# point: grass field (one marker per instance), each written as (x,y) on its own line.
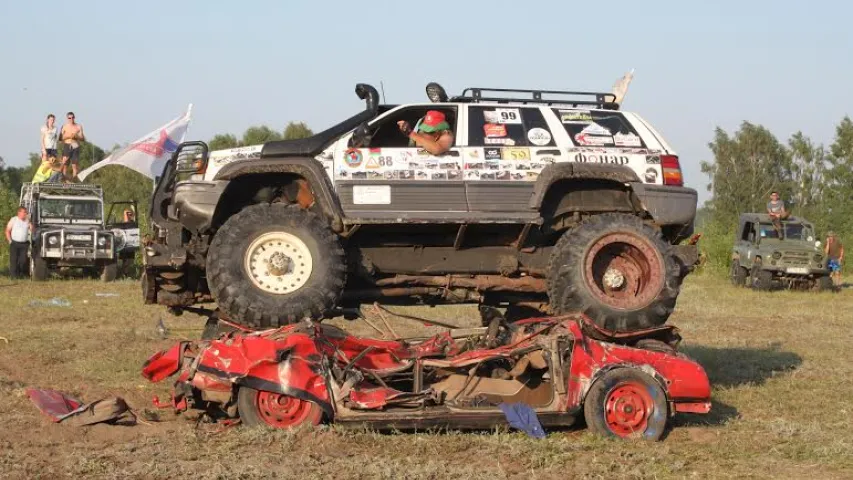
(781,366)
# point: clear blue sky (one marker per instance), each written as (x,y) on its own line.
(127,67)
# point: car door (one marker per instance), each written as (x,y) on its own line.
(506,148)
(394,179)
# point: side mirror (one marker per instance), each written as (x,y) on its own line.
(361,136)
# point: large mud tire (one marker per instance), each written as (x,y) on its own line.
(273,265)
(824,284)
(617,270)
(258,408)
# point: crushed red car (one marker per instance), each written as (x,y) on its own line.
(313,372)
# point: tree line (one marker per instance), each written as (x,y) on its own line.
(815,181)
(121,183)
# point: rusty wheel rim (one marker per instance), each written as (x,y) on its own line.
(627,409)
(624,270)
(282,411)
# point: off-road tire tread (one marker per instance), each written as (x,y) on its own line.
(567,290)
(241,301)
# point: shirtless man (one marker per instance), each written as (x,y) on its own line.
(433,133)
(71,135)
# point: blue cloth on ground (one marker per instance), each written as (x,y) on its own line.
(522,417)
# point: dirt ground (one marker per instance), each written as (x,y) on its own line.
(780,364)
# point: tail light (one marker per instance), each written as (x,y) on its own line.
(671,170)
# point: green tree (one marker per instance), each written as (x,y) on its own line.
(257,135)
(223,141)
(296,130)
(746,168)
(838,189)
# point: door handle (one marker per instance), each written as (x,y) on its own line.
(548,152)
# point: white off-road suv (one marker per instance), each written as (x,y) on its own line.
(551,200)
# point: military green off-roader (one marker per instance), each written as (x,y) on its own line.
(761,258)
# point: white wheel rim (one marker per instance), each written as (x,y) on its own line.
(278,263)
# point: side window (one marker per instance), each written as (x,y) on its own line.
(497,125)
(599,128)
(386,133)
(748,232)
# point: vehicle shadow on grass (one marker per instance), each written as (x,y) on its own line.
(734,366)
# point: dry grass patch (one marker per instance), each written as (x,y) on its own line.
(779,362)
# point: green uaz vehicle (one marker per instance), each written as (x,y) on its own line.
(764,256)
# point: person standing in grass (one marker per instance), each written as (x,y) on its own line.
(834,251)
(17,234)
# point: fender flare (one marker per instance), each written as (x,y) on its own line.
(308,168)
(554,173)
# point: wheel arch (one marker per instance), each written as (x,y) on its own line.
(300,180)
(645,368)
(569,188)
(260,384)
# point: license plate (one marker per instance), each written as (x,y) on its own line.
(800,270)
(79,237)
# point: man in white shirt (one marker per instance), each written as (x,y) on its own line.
(17,234)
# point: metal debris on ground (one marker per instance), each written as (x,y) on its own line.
(161,329)
(4,339)
(107,295)
(62,408)
(53,302)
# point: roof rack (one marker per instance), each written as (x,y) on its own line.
(30,190)
(606,101)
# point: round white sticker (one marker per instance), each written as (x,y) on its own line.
(539,136)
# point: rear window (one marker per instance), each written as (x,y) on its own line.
(599,128)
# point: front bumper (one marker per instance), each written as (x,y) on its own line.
(783,270)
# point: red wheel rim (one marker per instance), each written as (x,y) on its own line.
(627,409)
(282,411)
(624,270)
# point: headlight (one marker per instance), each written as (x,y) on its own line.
(52,240)
(102,241)
(818,257)
(777,255)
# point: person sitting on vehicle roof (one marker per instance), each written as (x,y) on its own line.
(776,210)
(433,133)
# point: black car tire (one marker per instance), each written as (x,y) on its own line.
(109,271)
(239,291)
(38,268)
(605,405)
(738,274)
(260,409)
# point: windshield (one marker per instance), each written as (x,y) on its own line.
(793,231)
(72,209)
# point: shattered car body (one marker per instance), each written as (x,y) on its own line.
(307,372)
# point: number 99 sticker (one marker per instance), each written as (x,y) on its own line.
(503,115)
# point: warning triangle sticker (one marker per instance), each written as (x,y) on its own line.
(372,163)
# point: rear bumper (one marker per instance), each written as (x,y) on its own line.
(668,205)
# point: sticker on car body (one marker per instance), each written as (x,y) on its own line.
(539,136)
(371,194)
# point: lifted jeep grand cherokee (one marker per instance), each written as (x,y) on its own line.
(563,204)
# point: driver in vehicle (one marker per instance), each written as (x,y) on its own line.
(433,133)
(127,217)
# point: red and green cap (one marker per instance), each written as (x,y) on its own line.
(433,121)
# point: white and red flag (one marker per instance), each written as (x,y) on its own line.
(149,154)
